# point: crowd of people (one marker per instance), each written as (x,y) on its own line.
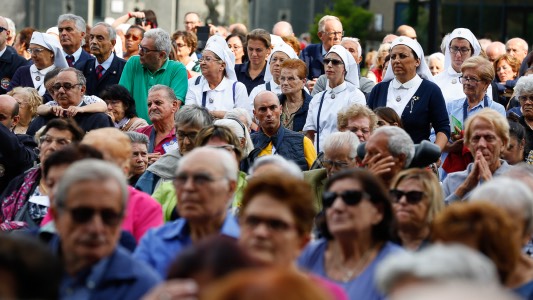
(141,164)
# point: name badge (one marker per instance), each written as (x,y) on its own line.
(41,200)
(172,145)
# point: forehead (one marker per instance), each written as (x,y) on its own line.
(201,162)
(480,126)
(66,76)
(334,25)
(359,121)
(134,31)
(378,142)
(156,95)
(147,41)
(6,107)
(401,49)
(3,22)
(138,147)
(280,54)
(235,40)
(411,184)
(68,23)
(265,205)
(266,99)
(346,184)
(192,18)
(95,193)
(460,43)
(335,152)
(333,55)
(100,30)
(286,71)
(255,43)
(54,132)
(208,53)
(349,44)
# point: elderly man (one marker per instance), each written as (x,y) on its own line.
(495,50)
(517,47)
(388,151)
(143,212)
(72,37)
(486,136)
(276,139)
(330,32)
(69,89)
(162,106)
(191,21)
(205,181)
(90,204)
(10,61)
(282,28)
(152,67)
(106,68)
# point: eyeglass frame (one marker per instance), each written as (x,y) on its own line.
(469,80)
(198,179)
(50,139)
(327,202)
(454,50)
(527,97)
(145,50)
(36,50)
(334,33)
(58,85)
(108,216)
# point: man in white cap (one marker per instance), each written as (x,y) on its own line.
(10,61)
(152,67)
(71,30)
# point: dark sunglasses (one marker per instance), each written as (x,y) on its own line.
(82,215)
(133,37)
(272,224)
(412,197)
(2,29)
(335,62)
(350,197)
(66,86)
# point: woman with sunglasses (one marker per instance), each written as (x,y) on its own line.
(408,88)
(342,90)
(133,38)
(357,217)
(416,199)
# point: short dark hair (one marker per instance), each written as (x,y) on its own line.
(70,154)
(118,92)
(65,124)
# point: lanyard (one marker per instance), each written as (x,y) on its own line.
(318,121)
(465,107)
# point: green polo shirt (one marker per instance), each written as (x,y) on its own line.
(138,80)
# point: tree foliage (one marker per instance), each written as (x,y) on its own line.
(356,21)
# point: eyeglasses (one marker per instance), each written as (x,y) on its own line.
(412,197)
(334,33)
(66,86)
(190,135)
(272,224)
(198,179)
(469,79)
(133,37)
(335,62)
(35,51)
(47,139)
(82,215)
(334,164)
(146,50)
(463,51)
(350,197)
(525,98)
(2,29)
(207,59)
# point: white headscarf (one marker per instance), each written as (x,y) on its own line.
(51,43)
(466,34)
(352,69)
(218,45)
(279,47)
(276,40)
(240,131)
(422,70)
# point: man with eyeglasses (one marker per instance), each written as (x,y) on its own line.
(152,67)
(69,89)
(89,207)
(205,181)
(72,31)
(105,68)
(10,61)
(330,32)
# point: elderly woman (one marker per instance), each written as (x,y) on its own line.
(436,63)
(139,157)
(358,119)
(47,54)
(478,74)
(236,43)
(28,99)
(376,71)
(460,45)
(252,72)
(341,68)
(387,117)
(417,198)
(279,54)
(517,200)
(185,43)
(408,88)
(524,93)
(133,38)
(507,68)
(358,216)
(242,133)
(121,108)
(294,98)
(217,89)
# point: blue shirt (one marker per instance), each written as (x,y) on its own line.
(362,287)
(80,286)
(455,108)
(160,246)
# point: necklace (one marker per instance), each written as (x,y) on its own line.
(348,273)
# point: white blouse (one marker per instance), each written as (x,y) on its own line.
(219,98)
(398,94)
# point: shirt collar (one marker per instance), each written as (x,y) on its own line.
(34,69)
(107,63)
(341,87)
(220,87)
(77,54)
(163,67)
(324,52)
(180,228)
(407,85)
(3,51)
(451,72)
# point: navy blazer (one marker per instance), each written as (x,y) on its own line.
(83,60)
(111,75)
(22,78)
(10,61)
(312,56)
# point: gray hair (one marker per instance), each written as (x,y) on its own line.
(79,74)
(357,44)
(287,166)
(239,130)
(161,87)
(90,170)
(79,21)
(227,161)
(438,262)
(11,26)
(161,39)
(524,85)
(339,140)
(193,115)
(238,113)
(137,137)
(110,30)
(322,22)
(515,196)
(399,142)
(520,41)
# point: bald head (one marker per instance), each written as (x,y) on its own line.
(282,28)
(266,95)
(219,160)
(114,145)
(517,47)
(406,30)
(495,50)
(238,28)
(389,38)
(9,110)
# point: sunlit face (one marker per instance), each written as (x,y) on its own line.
(100,44)
(360,126)
(516,49)
(42,57)
(379,144)
(331,35)
(211,65)
(69,36)
(335,70)
(257,52)
(68,97)
(472,89)
(236,46)
(182,49)
(436,66)
(139,159)
(160,107)
(338,159)
(55,140)
(151,58)
(133,39)
(191,22)
(275,64)
(186,136)
(463,51)
(351,46)
(407,214)
(290,82)
(55,173)
(505,71)
(403,63)
(117,109)
(485,140)
(267,111)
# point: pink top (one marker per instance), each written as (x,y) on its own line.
(334,290)
(166,144)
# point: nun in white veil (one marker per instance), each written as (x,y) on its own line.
(217,89)
(408,88)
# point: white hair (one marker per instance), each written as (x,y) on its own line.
(238,128)
(438,56)
(287,166)
(524,86)
(322,22)
(357,44)
(239,113)
(339,140)
(399,142)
